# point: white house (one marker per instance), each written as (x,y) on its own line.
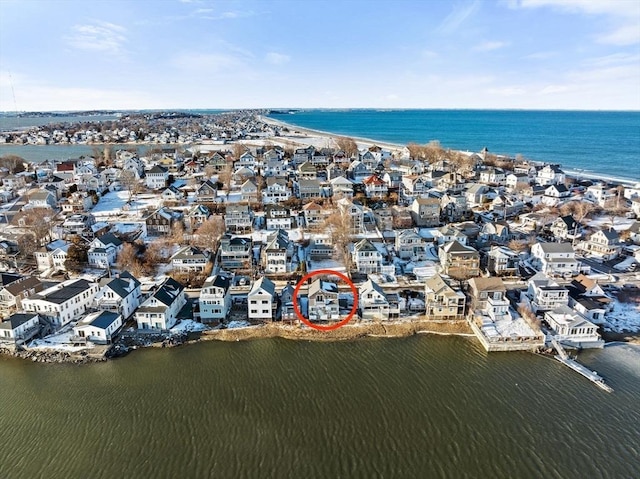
(410,245)
(275,191)
(572,329)
(555,259)
(215,299)
(160,310)
(544,294)
(189,259)
(63,302)
(119,295)
(365,257)
(262,299)
(19,328)
(278,217)
(104,250)
(157,177)
(374,303)
(550,175)
(275,253)
(323,301)
(98,327)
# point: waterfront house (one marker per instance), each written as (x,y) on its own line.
(262,299)
(12,293)
(190,259)
(62,303)
(565,228)
(488,296)
(98,327)
(157,178)
(104,250)
(119,295)
(602,195)
(278,217)
(215,299)
(572,329)
(365,257)
(323,301)
(443,301)
(238,218)
(459,261)
(544,294)
(555,259)
(555,194)
(160,310)
(375,304)
(236,252)
(18,328)
(550,175)
(517,181)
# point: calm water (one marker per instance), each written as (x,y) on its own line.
(605,143)
(416,407)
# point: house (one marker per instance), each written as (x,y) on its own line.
(393,178)
(308,189)
(52,256)
(104,250)
(355,213)
(276,190)
(415,186)
(635,206)
(215,299)
(306,171)
(12,294)
(99,327)
(555,259)
(246,160)
(589,299)
(341,187)
(276,252)
(375,304)
(320,249)
(238,218)
(172,194)
(442,301)
(62,303)
(262,299)
(18,329)
(374,187)
(365,257)
(79,224)
(493,176)
(410,245)
(459,261)
(572,329)
(489,297)
(634,232)
(235,252)
(550,175)
(249,191)
(190,259)
(426,212)
(217,162)
(162,222)
(287,313)
(119,295)
(157,177)
(197,215)
(273,165)
(42,199)
(278,217)
(555,194)
(206,192)
(447,233)
(323,301)
(565,228)
(315,215)
(604,244)
(506,206)
(495,232)
(517,181)
(603,196)
(502,261)
(544,294)
(77,202)
(358,171)
(475,194)
(453,206)
(160,310)
(243,174)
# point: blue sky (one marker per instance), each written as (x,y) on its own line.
(560,54)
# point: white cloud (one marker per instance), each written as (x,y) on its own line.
(623,14)
(277,58)
(489,46)
(457,17)
(99,36)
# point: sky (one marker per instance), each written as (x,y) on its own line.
(143,54)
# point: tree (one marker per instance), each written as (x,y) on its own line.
(39,221)
(209,233)
(348,145)
(130,183)
(517,245)
(128,260)
(14,163)
(177,233)
(238,150)
(338,226)
(27,244)
(77,255)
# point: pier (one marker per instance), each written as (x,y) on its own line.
(592,376)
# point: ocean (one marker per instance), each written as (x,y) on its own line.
(595,143)
(418,407)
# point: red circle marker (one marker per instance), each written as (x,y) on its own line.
(331,327)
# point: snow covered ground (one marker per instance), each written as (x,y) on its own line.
(624,317)
(188,325)
(620,224)
(114,203)
(60,341)
(238,324)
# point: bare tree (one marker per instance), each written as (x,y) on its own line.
(517,245)
(238,150)
(39,221)
(27,245)
(130,183)
(14,163)
(348,145)
(338,226)
(209,233)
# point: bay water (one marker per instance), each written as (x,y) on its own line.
(418,407)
